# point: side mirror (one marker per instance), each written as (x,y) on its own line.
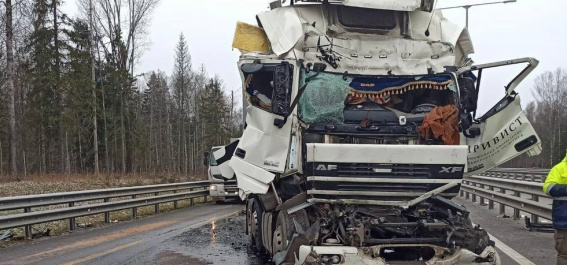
(206,158)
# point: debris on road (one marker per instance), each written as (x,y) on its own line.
(84,225)
(7,235)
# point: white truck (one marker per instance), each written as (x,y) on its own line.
(362,122)
(220,188)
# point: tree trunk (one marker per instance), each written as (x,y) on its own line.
(57,88)
(1,159)
(10,88)
(93,76)
(123,133)
(105,128)
(67,158)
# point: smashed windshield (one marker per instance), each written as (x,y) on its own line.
(324,98)
(328,94)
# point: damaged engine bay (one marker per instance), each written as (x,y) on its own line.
(411,234)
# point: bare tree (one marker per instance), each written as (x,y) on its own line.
(122,30)
(95,125)
(10,87)
(550,91)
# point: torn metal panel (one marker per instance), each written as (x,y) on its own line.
(398,5)
(370,193)
(283,28)
(503,136)
(440,29)
(250,178)
(295,201)
(287,26)
(532,64)
(370,255)
(403,204)
(261,133)
(380,55)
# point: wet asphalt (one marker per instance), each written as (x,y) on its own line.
(204,234)
(215,234)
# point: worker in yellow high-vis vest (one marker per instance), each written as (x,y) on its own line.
(556,187)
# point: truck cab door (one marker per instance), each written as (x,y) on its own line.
(265,143)
(504,131)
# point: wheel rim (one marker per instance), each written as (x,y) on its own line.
(250,232)
(255,224)
(278,244)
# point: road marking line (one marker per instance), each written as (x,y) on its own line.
(511,252)
(102,253)
(131,244)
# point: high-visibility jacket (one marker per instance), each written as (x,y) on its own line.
(556,187)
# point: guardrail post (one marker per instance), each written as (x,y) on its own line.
(134,210)
(156,206)
(191,201)
(175,203)
(72,219)
(502,206)
(28,228)
(473,194)
(481,198)
(107,214)
(535,218)
(516,211)
(491,202)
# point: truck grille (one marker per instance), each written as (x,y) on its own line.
(378,182)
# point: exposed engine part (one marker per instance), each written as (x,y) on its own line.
(437,221)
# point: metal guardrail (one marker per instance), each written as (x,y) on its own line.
(534,175)
(177,192)
(494,185)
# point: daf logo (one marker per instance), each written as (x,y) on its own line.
(326,168)
(451,169)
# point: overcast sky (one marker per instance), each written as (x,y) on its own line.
(527,28)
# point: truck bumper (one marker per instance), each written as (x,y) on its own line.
(220,190)
(370,255)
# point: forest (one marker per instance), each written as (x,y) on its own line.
(72,103)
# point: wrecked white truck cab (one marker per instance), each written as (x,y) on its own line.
(361,123)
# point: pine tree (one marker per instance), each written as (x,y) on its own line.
(181,90)
(45,94)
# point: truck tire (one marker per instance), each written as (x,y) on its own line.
(254,216)
(285,228)
(282,232)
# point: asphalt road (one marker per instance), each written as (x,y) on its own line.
(515,244)
(187,236)
(214,234)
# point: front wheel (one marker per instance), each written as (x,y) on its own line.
(254,221)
